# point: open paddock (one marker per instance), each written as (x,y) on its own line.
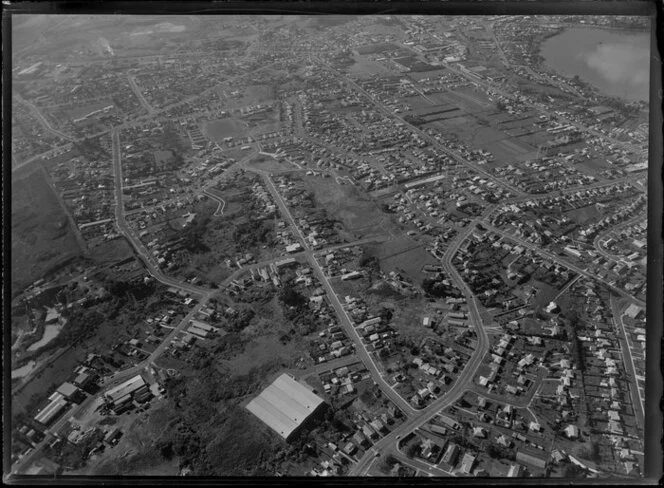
(507,150)
(403,254)
(360,216)
(430,75)
(365,67)
(217,130)
(471,100)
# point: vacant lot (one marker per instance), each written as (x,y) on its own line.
(403,254)
(111,251)
(360,215)
(585,215)
(77,112)
(266,163)
(364,67)
(217,130)
(41,235)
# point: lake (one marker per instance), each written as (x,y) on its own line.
(616,62)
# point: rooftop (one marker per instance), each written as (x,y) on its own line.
(284,405)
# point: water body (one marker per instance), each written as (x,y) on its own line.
(50,332)
(24,370)
(616,62)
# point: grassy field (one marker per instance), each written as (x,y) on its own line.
(217,130)
(403,254)
(46,381)
(360,215)
(76,112)
(266,163)
(584,214)
(477,97)
(364,67)
(41,235)
(265,348)
(111,251)
(407,319)
(592,166)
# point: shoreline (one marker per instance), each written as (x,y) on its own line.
(542,64)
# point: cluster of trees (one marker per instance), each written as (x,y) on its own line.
(499,452)
(369,262)
(413,450)
(290,297)
(229,345)
(296,309)
(241,320)
(578,351)
(91,148)
(135,289)
(193,235)
(255,294)
(435,287)
(207,430)
(250,234)
(414,120)
(388,463)
(73,456)
(180,440)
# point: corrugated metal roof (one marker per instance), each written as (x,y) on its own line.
(67,389)
(50,411)
(284,405)
(125,388)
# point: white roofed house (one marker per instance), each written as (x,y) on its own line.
(571,431)
(479,432)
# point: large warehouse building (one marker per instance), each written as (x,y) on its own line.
(121,395)
(57,404)
(285,406)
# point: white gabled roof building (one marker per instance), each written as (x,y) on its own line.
(285,405)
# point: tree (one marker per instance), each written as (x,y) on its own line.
(388,463)
(368,261)
(291,297)
(413,450)
(572,471)
(493,451)
(385,314)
